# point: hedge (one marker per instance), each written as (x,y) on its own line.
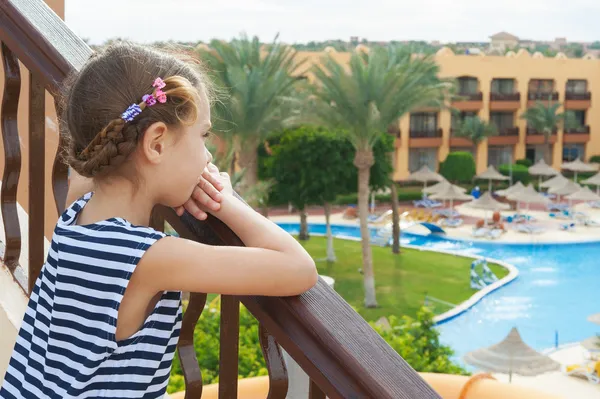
(519,172)
(524,162)
(595,159)
(458,167)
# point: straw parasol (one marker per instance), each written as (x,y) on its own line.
(441,186)
(556,181)
(541,168)
(511,356)
(511,190)
(595,318)
(425,175)
(491,174)
(528,195)
(569,187)
(578,166)
(488,203)
(591,344)
(451,193)
(594,181)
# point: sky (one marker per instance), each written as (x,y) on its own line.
(300,21)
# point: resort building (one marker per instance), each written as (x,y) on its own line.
(500,89)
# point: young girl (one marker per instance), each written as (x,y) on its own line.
(104,316)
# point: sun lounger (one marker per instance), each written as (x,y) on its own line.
(591,223)
(452,222)
(591,371)
(427,203)
(567,226)
(594,204)
(564,215)
(495,234)
(554,207)
(529,229)
(480,232)
(448,213)
(383,236)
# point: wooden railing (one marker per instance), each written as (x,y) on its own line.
(343,356)
(505,96)
(432,133)
(542,96)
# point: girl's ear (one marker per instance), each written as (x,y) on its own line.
(153,143)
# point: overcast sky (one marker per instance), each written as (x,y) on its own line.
(306,20)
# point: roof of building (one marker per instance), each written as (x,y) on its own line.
(503,36)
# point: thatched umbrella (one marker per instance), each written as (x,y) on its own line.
(511,190)
(451,193)
(491,174)
(594,181)
(511,356)
(556,181)
(585,194)
(541,168)
(425,175)
(592,344)
(488,203)
(595,318)
(441,186)
(528,195)
(578,166)
(569,187)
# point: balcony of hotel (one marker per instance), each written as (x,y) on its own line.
(459,141)
(469,97)
(534,136)
(506,136)
(577,95)
(425,138)
(504,96)
(541,90)
(580,134)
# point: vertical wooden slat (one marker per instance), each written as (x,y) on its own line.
(60,179)
(185,348)
(37,112)
(229,347)
(278,378)
(12,157)
(314,392)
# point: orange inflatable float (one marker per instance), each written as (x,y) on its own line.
(479,386)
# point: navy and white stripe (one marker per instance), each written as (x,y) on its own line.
(66,347)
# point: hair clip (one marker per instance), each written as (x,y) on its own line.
(131,112)
(148,100)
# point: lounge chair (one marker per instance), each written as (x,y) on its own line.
(378,219)
(554,207)
(591,223)
(452,222)
(383,236)
(495,234)
(480,232)
(427,203)
(594,204)
(591,371)
(567,226)
(565,214)
(529,229)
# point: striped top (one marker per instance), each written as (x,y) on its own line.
(66,347)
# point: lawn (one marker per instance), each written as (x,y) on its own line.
(401,280)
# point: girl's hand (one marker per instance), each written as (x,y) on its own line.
(207,195)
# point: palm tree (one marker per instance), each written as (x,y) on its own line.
(257,84)
(476,130)
(363,98)
(544,118)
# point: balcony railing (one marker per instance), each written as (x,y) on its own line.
(478,96)
(578,96)
(542,96)
(505,96)
(342,355)
(532,131)
(585,129)
(508,131)
(419,134)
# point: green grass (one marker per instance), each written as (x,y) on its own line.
(401,280)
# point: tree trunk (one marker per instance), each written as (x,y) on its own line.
(247,156)
(395,220)
(303,235)
(330,252)
(363,161)
(547,148)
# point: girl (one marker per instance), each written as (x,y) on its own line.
(103,319)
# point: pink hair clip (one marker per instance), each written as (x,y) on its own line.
(158,83)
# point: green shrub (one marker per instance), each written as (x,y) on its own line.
(519,173)
(595,158)
(417,341)
(458,167)
(524,162)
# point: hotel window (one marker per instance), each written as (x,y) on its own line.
(467,85)
(576,86)
(579,116)
(503,86)
(500,155)
(418,157)
(573,151)
(541,86)
(459,117)
(423,122)
(503,120)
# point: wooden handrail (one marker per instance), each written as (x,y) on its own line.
(343,356)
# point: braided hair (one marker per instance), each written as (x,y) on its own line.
(100,141)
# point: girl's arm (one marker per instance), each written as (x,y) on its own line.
(272,263)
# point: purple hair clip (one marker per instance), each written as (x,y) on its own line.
(148,100)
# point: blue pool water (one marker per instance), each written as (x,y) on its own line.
(557,289)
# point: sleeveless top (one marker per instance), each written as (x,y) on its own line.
(66,347)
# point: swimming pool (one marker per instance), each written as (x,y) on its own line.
(557,289)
